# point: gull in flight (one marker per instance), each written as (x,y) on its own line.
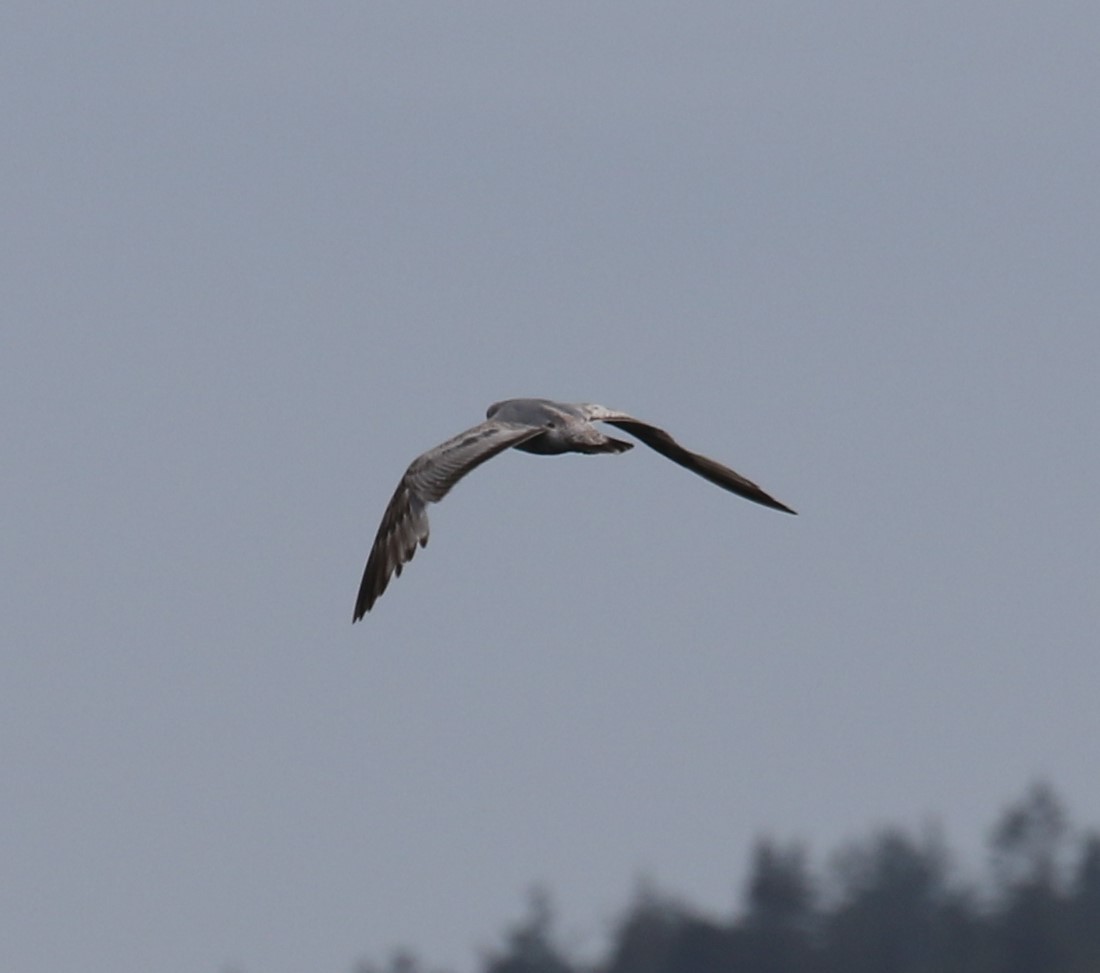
(534,426)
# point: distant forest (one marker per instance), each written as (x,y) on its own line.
(889,904)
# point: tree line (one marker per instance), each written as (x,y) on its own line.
(891,903)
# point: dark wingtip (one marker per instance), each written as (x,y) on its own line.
(363,603)
(766,501)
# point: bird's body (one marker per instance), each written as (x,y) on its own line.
(565,428)
(534,426)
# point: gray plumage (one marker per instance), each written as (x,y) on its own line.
(534,426)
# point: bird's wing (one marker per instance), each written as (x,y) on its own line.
(428,479)
(664,444)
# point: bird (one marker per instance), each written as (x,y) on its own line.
(539,426)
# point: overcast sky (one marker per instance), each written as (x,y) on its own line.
(257,257)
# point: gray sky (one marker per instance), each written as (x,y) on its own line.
(257,258)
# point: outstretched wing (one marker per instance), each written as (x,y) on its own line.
(664,444)
(428,479)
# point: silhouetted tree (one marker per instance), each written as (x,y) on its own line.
(1028,840)
(701,946)
(894,912)
(775,935)
(647,935)
(1027,845)
(888,907)
(530,945)
(779,892)
(1084,909)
